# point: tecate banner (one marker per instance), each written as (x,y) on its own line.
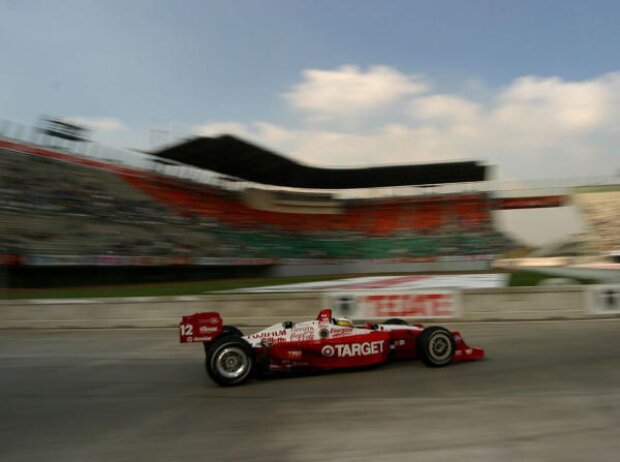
(410,304)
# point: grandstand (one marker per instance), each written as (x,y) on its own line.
(62,208)
(600,206)
(58,208)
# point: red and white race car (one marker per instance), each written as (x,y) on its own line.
(322,344)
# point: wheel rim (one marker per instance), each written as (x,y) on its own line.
(232,362)
(440,347)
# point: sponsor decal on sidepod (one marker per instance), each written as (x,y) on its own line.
(354,349)
(269,334)
(205,329)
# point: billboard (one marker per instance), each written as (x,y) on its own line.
(534,202)
(439,303)
(602,299)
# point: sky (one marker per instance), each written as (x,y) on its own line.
(529,87)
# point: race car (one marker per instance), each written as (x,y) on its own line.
(325,343)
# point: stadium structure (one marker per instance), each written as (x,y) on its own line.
(73,212)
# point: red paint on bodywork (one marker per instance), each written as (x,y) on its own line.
(325,315)
(404,343)
(333,353)
(200,327)
(464,352)
(377,344)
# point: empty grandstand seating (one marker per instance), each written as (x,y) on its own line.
(601,209)
(50,206)
(363,229)
(55,207)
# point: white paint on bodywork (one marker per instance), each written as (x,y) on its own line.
(311,330)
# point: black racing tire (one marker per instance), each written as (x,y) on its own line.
(227,331)
(231,330)
(396,322)
(230,361)
(436,346)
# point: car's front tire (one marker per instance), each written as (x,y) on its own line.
(230,361)
(436,346)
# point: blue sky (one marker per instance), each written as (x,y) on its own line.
(532,87)
(195,61)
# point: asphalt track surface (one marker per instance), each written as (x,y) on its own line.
(549,391)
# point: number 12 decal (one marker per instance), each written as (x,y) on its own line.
(187,329)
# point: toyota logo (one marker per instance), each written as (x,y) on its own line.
(328,351)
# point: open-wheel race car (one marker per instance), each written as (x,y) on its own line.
(325,343)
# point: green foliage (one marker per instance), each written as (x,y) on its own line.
(531,278)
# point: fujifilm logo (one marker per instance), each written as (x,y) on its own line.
(353,349)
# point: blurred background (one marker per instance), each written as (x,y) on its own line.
(76,212)
(160,158)
(112,95)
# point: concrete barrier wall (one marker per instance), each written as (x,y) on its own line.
(247,309)
(519,303)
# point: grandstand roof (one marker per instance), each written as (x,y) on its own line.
(232,156)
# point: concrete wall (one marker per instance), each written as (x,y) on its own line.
(247,309)
(520,303)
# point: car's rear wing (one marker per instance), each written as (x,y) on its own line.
(200,327)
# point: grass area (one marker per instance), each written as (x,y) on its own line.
(531,278)
(521,278)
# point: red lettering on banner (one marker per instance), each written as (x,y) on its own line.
(420,305)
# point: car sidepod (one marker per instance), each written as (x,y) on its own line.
(333,353)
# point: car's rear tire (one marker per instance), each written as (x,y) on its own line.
(230,361)
(227,331)
(396,322)
(436,346)
(232,331)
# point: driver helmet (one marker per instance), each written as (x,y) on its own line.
(344,322)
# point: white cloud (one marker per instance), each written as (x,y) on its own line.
(443,108)
(105,124)
(554,104)
(349,93)
(533,128)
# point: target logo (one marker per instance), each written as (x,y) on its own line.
(328,351)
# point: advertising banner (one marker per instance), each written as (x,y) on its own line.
(406,304)
(215,261)
(110,260)
(602,299)
(57,260)
(10,259)
(514,203)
